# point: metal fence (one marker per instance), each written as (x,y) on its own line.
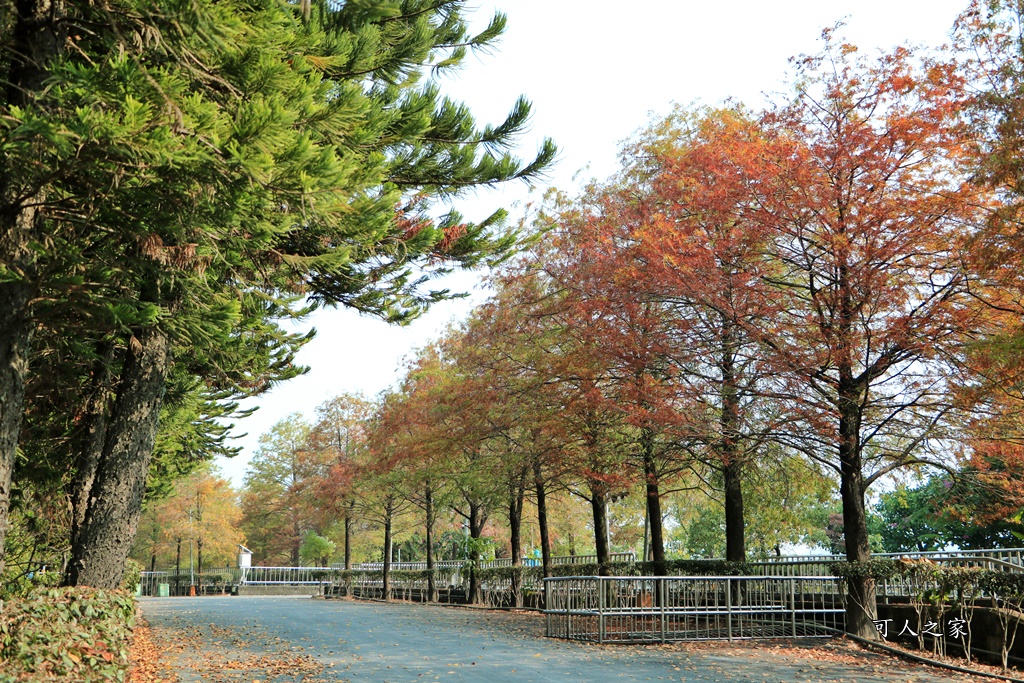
(283,576)
(592,559)
(169,582)
(800,567)
(401,566)
(150,583)
(604,609)
(222,579)
(900,587)
(489,564)
(413,589)
(987,558)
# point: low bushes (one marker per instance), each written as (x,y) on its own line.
(940,580)
(934,591)
(66,634)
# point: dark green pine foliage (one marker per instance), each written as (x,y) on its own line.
(178,173)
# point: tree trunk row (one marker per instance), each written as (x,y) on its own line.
(111,519)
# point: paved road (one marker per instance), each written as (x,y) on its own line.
(282,639)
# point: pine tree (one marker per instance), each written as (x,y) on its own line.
(174,162)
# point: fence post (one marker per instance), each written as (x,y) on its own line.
(600,610)
(567,598)
(547,605)
(728,606)
(662,594)
(792,603)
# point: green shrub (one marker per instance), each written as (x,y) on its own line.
(496,574)
(181,579)
(213,579)
(672,568)
(878,569)
(67,634)
(704,568)
(132,575)
(929,575)
(1002,584)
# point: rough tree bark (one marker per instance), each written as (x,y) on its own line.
(477,520)
(430,514)
(735,542)
(87,459)
(599,506)
(37,37)
(387,553)
(653,495)
(517,496)
(348,535)
(542,517)
(731,458)
(112,518)
(862,607)
(15,340)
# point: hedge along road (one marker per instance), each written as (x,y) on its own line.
(288,639)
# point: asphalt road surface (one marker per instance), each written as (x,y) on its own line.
(293,640)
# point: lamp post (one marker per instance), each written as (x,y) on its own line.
(191,573)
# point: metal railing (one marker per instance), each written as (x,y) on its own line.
(899,587)
(169,582)
(971,558)
(606,609)
(283,576)
(150,582)
(793,568)
(592,559)
(401,566)
(489,564)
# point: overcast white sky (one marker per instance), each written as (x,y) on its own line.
(595,73)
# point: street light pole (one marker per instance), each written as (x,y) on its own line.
(191,574)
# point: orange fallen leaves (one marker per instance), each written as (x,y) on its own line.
(145,658)
(150,659)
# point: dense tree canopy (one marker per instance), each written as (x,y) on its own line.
(173,182)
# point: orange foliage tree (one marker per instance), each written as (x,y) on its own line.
(867,205)
(702,255)
(338,436)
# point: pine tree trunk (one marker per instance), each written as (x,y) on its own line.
(112,518)
(16,330)
(88,457)
(34,38)
(542,517)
